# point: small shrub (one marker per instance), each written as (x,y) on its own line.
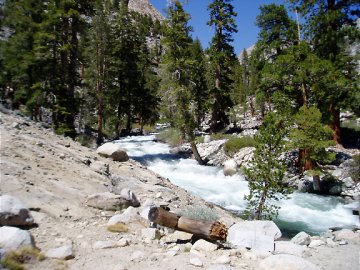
(233,145)
(199,212)
(354,169)
(171,136)
(15,260)
(221,136)
(119,227)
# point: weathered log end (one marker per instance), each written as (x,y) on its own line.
(218,231)
(212,230)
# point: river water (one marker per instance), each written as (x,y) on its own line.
(301,212)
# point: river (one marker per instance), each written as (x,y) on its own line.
(301,212)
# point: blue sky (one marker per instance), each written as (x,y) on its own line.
(247,11)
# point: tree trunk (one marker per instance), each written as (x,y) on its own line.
(212,230)
(335,123)
(304,163)
(196,153)
(316,183)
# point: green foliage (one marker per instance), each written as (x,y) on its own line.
(222,59)
(354,169)
(267,172)
(171,136)
(199,212)
(16,259)
(233,145)
(313,136)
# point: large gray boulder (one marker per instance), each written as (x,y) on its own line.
(258,235)
(286,262)
(13,212)
(113,151)
(110,201)
(12,238)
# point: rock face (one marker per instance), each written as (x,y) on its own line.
(145,7)
(286,262)
(13,212)
(110,201)
(12,238)
(258,235)
(113,151)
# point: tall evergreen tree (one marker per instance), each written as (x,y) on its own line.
(331,27)
(177,70)
(221,54)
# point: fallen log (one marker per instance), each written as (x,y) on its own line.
(212,230)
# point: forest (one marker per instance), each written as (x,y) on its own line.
(95,68)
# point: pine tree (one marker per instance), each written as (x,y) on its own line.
(331,27)
(312,137)
(266,175)
(221,56)
(177,70)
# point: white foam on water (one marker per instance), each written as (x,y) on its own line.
(301,211)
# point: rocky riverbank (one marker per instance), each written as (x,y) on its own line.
(85,211)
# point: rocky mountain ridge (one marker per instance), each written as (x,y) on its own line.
(145,7)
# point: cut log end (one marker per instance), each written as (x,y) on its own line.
(218,231)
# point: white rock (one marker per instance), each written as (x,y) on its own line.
(203,246)
(302,238)
(346,234)
(137,256)
(207,138)
(13,212)
(286,262)
(105,244)
(220,267)
(123,242)
(196,262)
(12,238)
(330,242)
(259,235)
(114,151)
(223,259)
(230,167)
(316,243)
(110,201)
(150,233)
(249,256)
(125,218)
(287,247)
(63,252)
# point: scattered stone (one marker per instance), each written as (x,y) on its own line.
(100,167)
(13,212)
(63,253)
(110,201)
(12,238)
(250,256)
(196,262)
(330,242)
(15,125)
(220,267)
(287,247)
(118,222)
(286,262)
(150,233)
(343,242)
(105,244)
(113,151)
(316,243)
(223,259)
(123,242)
(203,246)
(302,239)
(137,256)
(207,138)
(230,167)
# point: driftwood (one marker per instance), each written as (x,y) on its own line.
(212,230)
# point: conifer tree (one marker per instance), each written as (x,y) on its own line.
(266,175)
(177,68)
(221,54)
